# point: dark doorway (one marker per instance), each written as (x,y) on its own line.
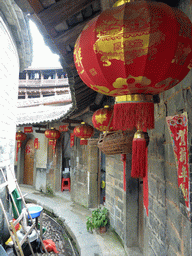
(102,182)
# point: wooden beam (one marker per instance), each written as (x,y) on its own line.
(36,5)
(62,10)
(74,32)
(81,113)
(70,121)
(70,35)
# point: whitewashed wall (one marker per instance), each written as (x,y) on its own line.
(9,73)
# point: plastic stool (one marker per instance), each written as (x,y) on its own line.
(65,184)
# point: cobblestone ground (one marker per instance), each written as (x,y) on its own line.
(57,233)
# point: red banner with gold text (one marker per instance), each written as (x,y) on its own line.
(178,127)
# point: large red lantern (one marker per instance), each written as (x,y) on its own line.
(84,132)
(102,119)
(52,134)
(20,137)
(132,52)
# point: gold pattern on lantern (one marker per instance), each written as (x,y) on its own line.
(106,91)
(93,72)
(126,43)
(101,89)
(77,53)
(101,118)
(190,65)
(134,97)
(114,47)
(181,54)
(167,83)
(131,81)
(121,2)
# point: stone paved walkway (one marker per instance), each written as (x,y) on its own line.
(74,219)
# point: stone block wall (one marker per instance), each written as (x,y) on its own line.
(53,170)
(84,173)
(79,168)
(115,197)
(168,223)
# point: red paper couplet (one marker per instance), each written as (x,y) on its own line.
(178,127)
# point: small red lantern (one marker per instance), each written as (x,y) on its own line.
(52,134)
(102,119)
(132,53)
(20,137)
(84,132)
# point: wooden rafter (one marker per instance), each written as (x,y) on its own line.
(62,10)
(36,5)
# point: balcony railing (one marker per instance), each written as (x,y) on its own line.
(65,98)
(43,82)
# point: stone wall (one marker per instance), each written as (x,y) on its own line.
(168,223)
(79,170)
(115,196)
(54,165)
(84,173)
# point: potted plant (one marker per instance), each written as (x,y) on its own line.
(98,220)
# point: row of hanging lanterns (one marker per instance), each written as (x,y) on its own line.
(52,134)
(131,52)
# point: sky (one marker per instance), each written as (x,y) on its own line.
(42,55)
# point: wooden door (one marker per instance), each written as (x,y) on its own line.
(29,163)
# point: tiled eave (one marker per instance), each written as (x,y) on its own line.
(41,114)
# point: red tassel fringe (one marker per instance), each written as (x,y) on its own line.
(139,148)
(133,115)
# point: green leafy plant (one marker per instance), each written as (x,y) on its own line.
(49,190)
(98,219)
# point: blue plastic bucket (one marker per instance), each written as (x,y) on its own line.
(34,211)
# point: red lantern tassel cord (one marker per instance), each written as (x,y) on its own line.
(133,115)
(139,148)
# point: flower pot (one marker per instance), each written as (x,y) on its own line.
(102,230)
